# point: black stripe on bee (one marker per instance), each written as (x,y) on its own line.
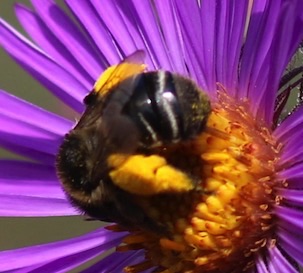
(162,107)
(155,110)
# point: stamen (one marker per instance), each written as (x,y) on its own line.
(138,267)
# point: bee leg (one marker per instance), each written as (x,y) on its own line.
(133,216)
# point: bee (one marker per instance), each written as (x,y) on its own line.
(128,110)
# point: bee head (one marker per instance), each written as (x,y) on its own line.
(72,164)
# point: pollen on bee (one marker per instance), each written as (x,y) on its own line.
(106,81)
(147,175)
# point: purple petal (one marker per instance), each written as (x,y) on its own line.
(172,34)
(230,22)
(41,67)
(292,125)
(271,31)
(191,30)
(293,175)
(41,254)
(30,127)
(290,134)
(30,189)
(260,265)
(208,20)
(292,197)
(131,15)
(292,244)
(89,19)
(116,262)
(19,178)
(33,206)
(70,36)
(270,267)
(140,13)
(289,34)
(260,35)
(279,262)
(66,263)
(213,39)
(26,152)
(292,153)
(38,31)
(122,29)
(290,219)
(32,114)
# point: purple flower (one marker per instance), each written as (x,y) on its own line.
(237,52)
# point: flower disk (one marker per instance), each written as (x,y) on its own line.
(218,226)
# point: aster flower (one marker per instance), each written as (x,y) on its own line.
(248,216)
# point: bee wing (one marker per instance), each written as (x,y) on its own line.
(131,65)
(111,77)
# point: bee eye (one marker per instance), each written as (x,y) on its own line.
(90,98)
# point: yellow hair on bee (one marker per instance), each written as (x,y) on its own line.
(116,74)
(147,175)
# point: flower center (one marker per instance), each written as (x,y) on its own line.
(218,226)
